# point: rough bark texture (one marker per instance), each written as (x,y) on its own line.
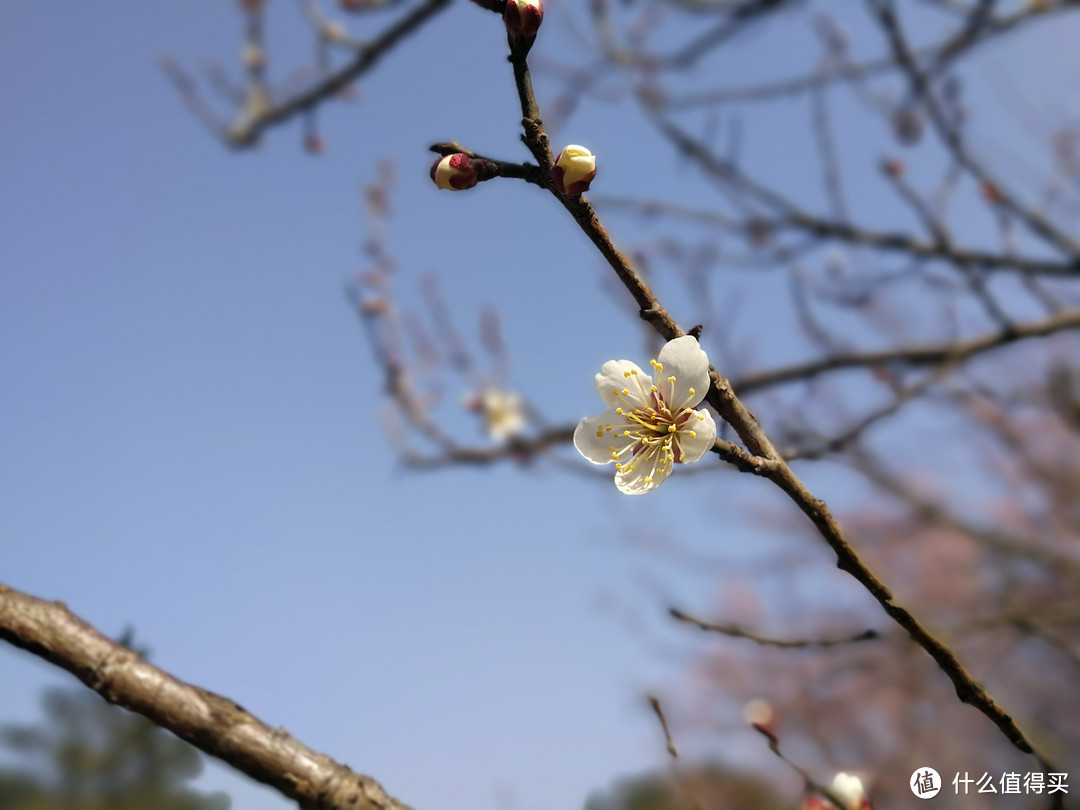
(208,721)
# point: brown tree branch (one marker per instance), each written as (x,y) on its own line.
(791,644)
(950,135)
(793,217)
(735,413)
(949,351)
(208,721)
(939,56)
(245,130)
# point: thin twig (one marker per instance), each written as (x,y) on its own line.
(789,644)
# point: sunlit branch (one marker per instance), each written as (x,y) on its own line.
(210,722)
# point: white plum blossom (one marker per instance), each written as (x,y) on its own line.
(503,412)
(652,424)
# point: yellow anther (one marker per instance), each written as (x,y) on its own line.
(671,379)
(615,392)
(626,373)
(614,456)
(700,417)
(618,411)
(671,428)
(693,434)
(654,388)
(648,479)
(626,392)
(692,392)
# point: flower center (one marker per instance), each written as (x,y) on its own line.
(653,426)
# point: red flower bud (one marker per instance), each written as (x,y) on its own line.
(991,193)
(894,167)
(523,17)
(455,172)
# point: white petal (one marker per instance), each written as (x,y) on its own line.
(577,163)
(504,413)
(632,481)
(595,436)
(704,430)
(613,378)
(687,362)
(848,788)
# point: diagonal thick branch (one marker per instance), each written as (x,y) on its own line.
(208,721)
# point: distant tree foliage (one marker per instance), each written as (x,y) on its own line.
(713,786)
(89,755)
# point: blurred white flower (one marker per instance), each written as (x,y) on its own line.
(849,789)
(652,424)
(758,712)
(503,412)
(335,32)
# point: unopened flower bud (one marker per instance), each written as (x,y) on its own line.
(849,789)
(991,193)
(907,124)
(253,57)
(335,32)
(523,17)
(455,172)
(574,170)
(375,307)
(759,233)
(893,167)
(760,713)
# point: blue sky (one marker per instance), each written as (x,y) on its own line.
(190,440)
